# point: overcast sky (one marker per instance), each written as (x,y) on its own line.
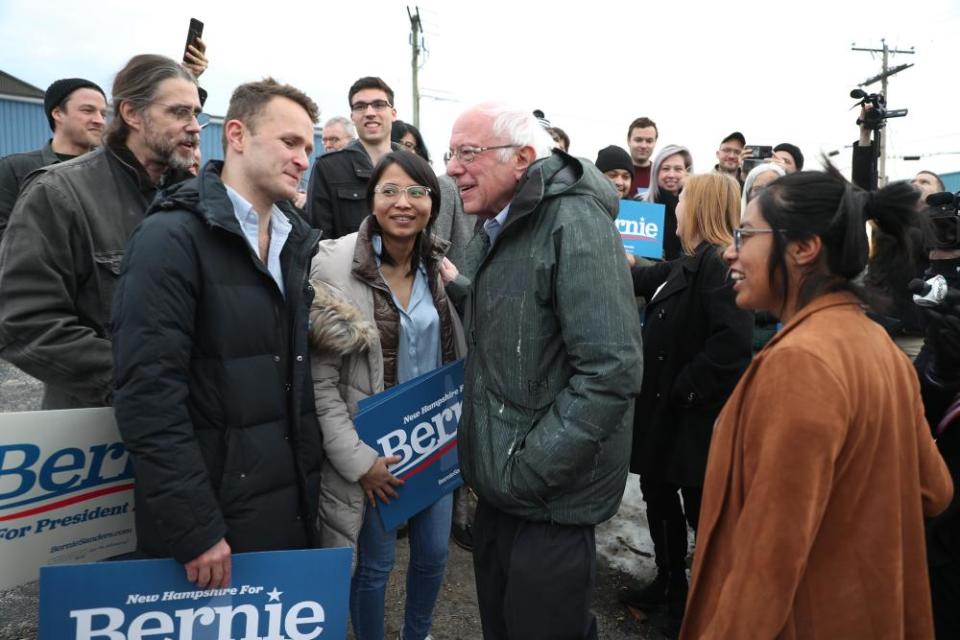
(778,71)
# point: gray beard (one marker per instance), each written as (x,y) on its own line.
(169,154)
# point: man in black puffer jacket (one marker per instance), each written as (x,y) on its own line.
(213,395)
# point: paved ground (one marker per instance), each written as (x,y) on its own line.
(623,553)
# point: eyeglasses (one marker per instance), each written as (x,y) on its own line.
(740,233)
(466,155)
(378,105)
(186,113)
(391,191)
(409,145)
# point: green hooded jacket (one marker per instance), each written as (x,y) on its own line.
(554,359)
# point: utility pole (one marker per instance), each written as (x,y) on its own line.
(885,73)
(416,28)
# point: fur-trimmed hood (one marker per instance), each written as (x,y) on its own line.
(337,325)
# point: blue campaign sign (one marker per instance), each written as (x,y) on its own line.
(277,595)
(641,227)
(418,422)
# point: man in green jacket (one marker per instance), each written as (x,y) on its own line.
(554,362)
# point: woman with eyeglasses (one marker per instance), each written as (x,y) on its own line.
(822,466)
(696,343)
(381,317)
(408,137)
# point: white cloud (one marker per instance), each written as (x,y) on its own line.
(776,71)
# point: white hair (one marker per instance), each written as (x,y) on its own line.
(519,127)
(343,122)
(757,171)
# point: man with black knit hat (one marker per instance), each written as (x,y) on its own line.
(788,156)
(76,110)
(61,254)
(615,163)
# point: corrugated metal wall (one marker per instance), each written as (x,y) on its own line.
(951,181)
(23,127)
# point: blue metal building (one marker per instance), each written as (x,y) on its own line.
(23,125)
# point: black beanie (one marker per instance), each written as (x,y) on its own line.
(614,157)
(794,151)
(60,89)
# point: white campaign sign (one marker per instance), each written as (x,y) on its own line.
(66,491)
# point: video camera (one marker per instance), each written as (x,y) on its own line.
(944,211)
(875,118)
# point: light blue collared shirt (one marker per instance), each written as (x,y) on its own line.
(493,226)
(418,348)
(249,221)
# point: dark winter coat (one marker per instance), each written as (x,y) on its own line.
(58,266)
(554,350)
(672,249)
(214,399)
(337,193)
(14,170)
(696,344)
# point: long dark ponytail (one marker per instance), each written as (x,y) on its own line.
(824,204)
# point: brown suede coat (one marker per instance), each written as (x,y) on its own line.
(821,470)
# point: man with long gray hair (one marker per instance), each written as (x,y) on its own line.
(553,365)
(61,253)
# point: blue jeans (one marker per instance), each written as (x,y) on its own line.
(429,534)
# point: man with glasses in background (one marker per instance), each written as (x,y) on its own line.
(338,132)
(337,193)
(62,249)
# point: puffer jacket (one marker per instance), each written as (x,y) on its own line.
(354,329)
(555,358)
(213,394)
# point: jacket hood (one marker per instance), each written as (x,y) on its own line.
(562,174)
(206,196)
(338,326)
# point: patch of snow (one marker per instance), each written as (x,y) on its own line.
(624,540)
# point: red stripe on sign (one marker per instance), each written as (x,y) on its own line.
(426,463)
(67,502)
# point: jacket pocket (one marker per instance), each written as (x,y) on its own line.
(108,270)
(351,194)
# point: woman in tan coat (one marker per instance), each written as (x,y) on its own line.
(381,317)
(822,465)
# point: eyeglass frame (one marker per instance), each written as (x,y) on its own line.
(178,111)
(378,106)
(740,232)
(403,190)
(458,154)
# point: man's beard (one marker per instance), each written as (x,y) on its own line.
(167,151)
